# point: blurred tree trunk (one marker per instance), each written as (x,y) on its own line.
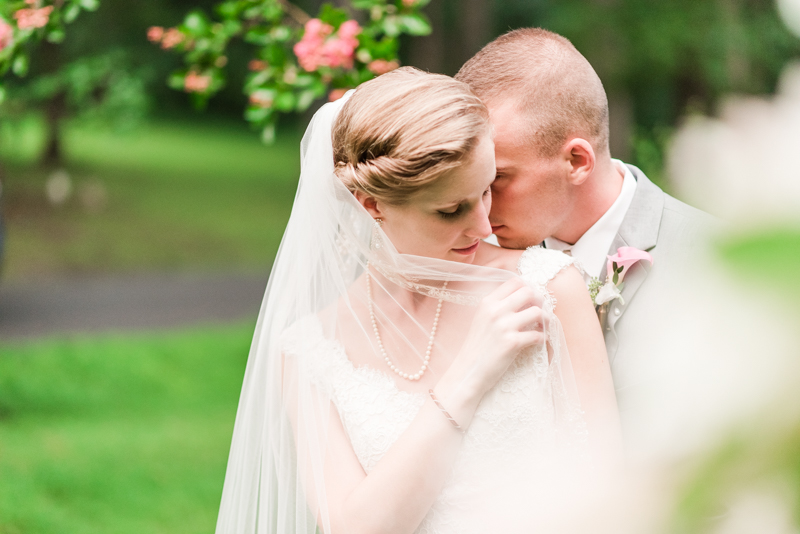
(53,155)
(475,24)
(54,110)
(428,52)
(620,125)
(460,29)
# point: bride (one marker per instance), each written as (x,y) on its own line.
(406,376)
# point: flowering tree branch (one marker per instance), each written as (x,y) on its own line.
(291,66)
(295,12)
(27,22)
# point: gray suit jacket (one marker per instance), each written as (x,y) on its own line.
(674,234)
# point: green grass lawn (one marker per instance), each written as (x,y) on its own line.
(118,433)
(179,195)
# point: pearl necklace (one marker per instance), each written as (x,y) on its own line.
(424,367)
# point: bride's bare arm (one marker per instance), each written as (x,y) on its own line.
(397,494)
(587,352)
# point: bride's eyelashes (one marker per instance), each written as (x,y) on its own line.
(452,214)
(460,208)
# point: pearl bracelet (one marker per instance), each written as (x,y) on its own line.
(441,407)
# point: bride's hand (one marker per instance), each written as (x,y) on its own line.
(508,320)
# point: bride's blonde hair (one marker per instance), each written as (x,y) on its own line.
(401,131)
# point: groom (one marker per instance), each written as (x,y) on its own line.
(558,185)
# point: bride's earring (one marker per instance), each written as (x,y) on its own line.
(376,237)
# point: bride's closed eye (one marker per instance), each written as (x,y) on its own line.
(460,208)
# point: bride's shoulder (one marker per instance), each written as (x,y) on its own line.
(536,264)
(490,255)
(542,263)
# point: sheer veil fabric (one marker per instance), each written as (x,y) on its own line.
(315,305)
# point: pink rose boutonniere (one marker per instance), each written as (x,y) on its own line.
(618,266)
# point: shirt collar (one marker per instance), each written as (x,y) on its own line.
(591,249)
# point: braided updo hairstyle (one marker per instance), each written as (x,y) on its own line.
(401,131)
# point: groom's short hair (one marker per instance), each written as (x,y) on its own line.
(553,85)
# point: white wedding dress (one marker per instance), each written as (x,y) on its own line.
(521,425)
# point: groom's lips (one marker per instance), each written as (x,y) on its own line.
(468,250)
(496,228)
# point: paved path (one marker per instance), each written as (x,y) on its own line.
(142,302)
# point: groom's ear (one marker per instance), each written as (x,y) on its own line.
(370,203)
(580,156)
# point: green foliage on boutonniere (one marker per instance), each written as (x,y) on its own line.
(594,287)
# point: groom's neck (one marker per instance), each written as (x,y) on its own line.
(591,200)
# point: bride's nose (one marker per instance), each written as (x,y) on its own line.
(479,225)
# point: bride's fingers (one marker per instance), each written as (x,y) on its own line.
(507,288)
(527,319)
(531,337)
(523,297)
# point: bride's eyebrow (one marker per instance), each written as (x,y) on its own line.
(455,203)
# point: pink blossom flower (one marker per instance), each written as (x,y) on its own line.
(6,34)
(196,83)
(348,30)
(409,3)
(336,94)
(30,18)
(319,48)
(172,38)
(155,34)
(261,98)
(381,66)
(626,257)
(256,65)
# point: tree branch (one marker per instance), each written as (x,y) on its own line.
(295,12)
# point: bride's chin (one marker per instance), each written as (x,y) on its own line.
(460,258)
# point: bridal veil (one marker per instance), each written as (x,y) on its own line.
(275,477)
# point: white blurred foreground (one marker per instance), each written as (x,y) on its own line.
(741,166)
(716,364)
(719,365)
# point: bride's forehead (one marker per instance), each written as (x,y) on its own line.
(455,186)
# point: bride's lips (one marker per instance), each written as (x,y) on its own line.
(468,250)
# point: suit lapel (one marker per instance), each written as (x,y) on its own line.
(639,229)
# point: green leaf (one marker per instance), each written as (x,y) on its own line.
(229,9)
(196,22)
(391,26)
(257,114)
(71,13)
(2,94)
(304,80)
(281,33)
(89,5)
(614,266)
(268,134)
(20,65)
(305,99)
(56,36)
(415,24)
(176,80)
(366,4)
(285,102)
(332,15)
(616,278)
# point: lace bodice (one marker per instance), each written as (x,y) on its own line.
(523,419)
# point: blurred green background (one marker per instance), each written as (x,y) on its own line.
(130,432)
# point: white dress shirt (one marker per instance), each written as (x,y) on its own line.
(591,250)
